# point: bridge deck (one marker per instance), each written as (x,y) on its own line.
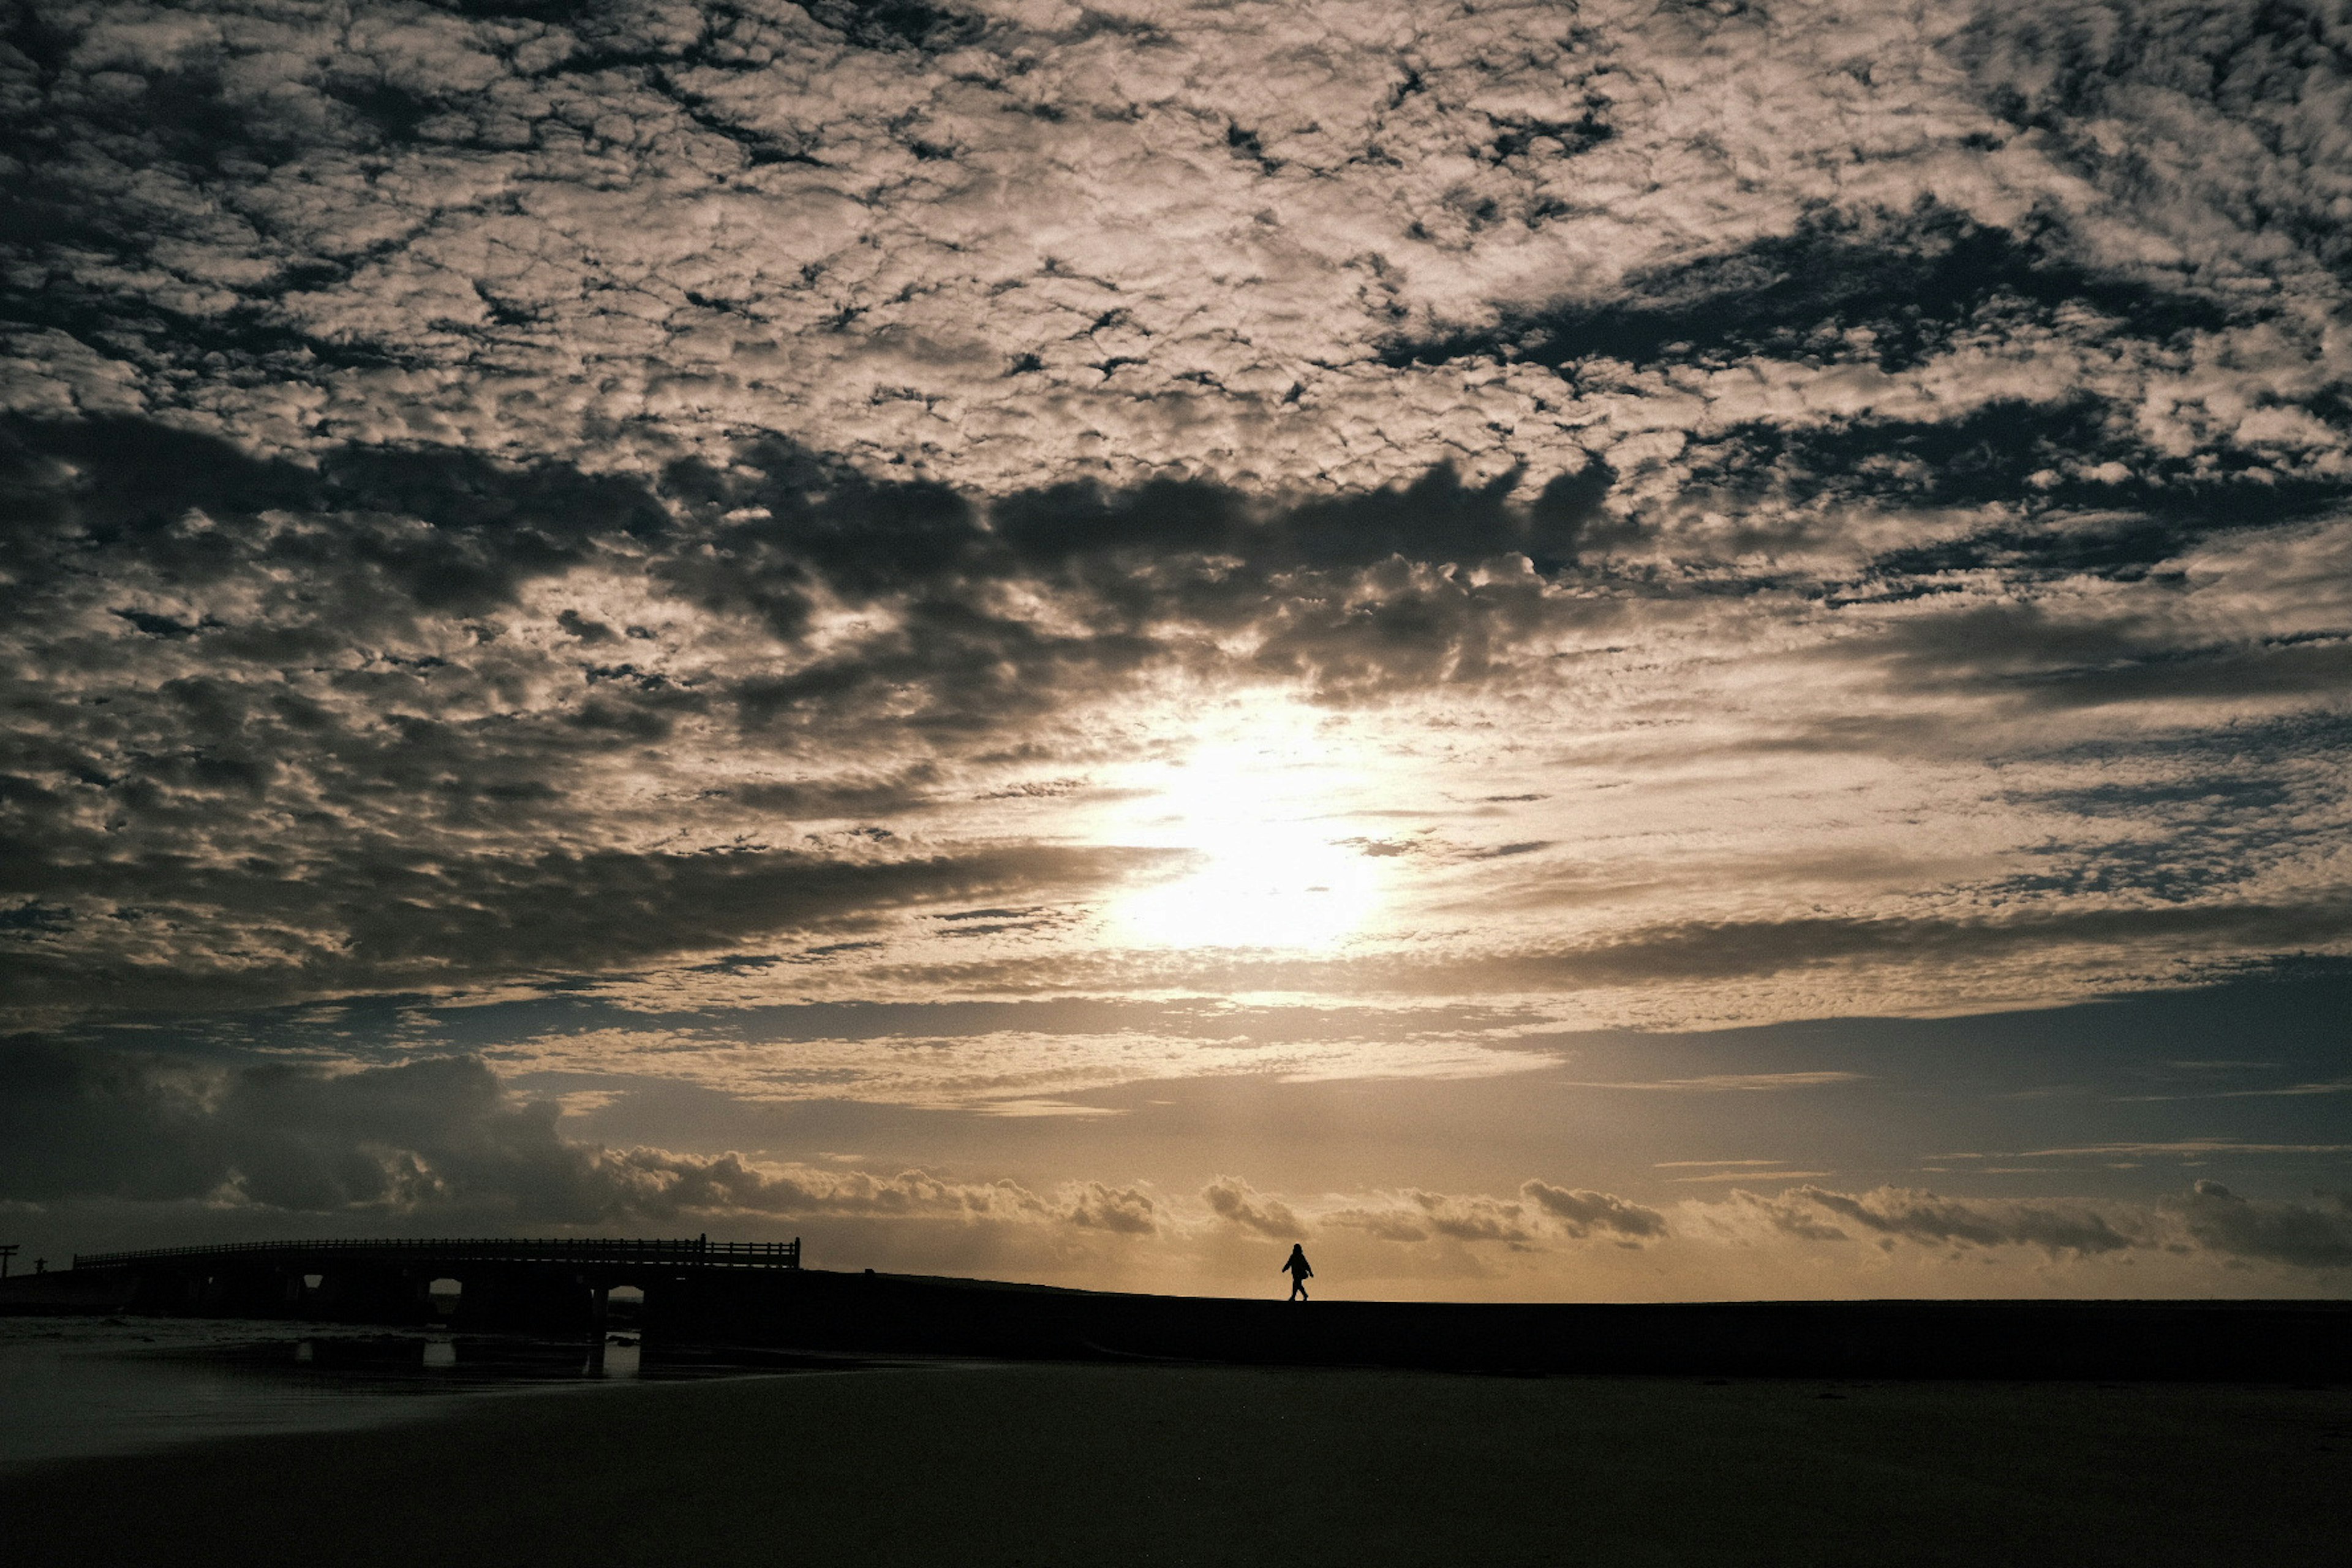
(699,1252)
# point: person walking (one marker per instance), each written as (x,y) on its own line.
(1296,1267)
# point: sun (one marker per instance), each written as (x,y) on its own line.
(1262,812)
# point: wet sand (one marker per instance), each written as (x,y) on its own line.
(1063,1464)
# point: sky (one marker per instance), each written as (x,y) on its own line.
(1605,651)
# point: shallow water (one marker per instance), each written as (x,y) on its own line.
(71,1386)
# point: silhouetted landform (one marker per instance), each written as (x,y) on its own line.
(689,1301)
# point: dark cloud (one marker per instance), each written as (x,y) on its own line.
(899,24)
(368,547)
(374,920)
(2030,657)
(2209,1216)
(1717,950)
(2272,69)
(342,655)
(443,1132)
(2302,1236)
(1893,289)
(371,545)
(1581,1210)
(1925,1217)
(1763,947)
(2121,505)
(430,530)
(422,1143)
(1233,1201)
(1193,548)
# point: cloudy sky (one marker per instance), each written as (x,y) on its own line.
(1584,651)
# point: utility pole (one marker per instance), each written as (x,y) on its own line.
(7,1251)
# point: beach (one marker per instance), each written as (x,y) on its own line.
(1040,1464)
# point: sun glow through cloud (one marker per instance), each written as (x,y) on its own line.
(1262,811)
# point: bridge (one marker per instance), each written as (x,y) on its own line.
(549,1284)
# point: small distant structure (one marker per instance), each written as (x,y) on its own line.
(7,1251)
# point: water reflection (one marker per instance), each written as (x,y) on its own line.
(356,1359)
(73,1386)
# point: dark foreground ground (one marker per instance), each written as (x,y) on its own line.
(952,1465)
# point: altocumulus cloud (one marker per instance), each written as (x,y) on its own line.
(921,230)
(465,463)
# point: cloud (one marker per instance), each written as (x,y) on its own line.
(1826,513)
(1728,949)
(1582,1209)
(1382,1223)
(443,1140)
(658,1184)
(299,681)
(1342,218)
(2209,1217)
(1719,1082)
(1234,1202)
(281,1137)
(396,918)
(439,1136)
(1473,1217)
(445,1136)
(1540,1212)
(2056,1227)
(2187,1148)
(2302,1236)
(1126,1210)
(1912,280)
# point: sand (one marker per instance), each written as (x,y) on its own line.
(1063,1464)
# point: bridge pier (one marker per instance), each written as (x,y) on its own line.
(600,1304)
(562,1285)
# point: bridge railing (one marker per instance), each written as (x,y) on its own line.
(551,1249)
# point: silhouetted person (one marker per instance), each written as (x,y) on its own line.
(1296,1266)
